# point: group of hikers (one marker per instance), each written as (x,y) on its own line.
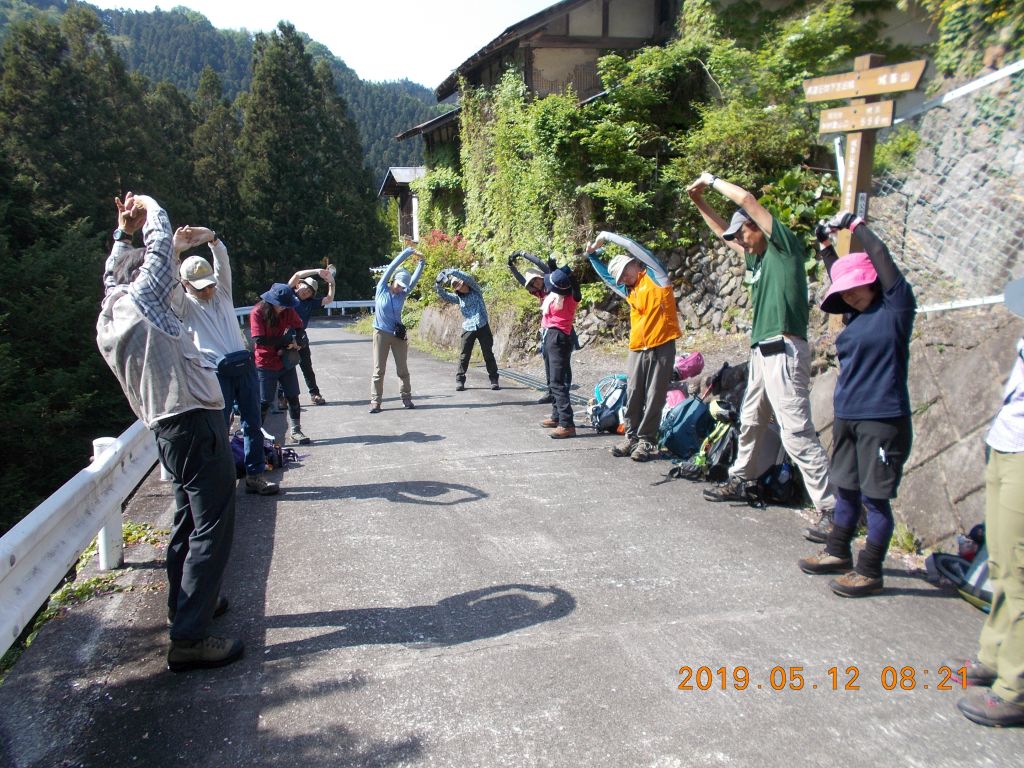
(176,349)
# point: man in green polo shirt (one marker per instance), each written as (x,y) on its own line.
(780,359)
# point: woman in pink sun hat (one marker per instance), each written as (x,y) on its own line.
(872,434)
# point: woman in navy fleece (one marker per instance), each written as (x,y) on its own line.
(872,434)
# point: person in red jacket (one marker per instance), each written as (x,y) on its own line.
(274,324)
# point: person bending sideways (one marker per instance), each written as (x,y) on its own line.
(389,333)
(780,359)
(467,294)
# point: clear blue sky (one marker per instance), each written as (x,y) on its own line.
(421,40)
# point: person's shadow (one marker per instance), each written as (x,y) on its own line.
(429,492)
(462,618)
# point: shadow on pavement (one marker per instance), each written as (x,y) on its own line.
(408,437)
(462,618)
(402,492)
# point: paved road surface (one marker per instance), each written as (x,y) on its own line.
(449,587)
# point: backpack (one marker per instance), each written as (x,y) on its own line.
(684,428)
(970,577)
(779,484)
(273,453)
(718,451)
(609,399)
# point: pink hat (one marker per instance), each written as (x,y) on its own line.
(851,271)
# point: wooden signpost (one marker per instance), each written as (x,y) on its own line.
(860,121)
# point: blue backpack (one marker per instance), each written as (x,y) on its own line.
(684,428)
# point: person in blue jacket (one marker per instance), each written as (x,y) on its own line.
(389,334)
(465,292)
(871,434)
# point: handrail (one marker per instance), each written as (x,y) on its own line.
(242,312)
(41,548)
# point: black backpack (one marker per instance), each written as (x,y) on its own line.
(716,454)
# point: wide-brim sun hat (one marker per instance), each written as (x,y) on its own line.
(1013,295)
(280,295)
(530,275)
(618,265)
(311,283)
(558,282)
(850,271)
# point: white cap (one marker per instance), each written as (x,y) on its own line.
(197,272)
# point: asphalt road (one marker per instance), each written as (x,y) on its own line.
(448,586)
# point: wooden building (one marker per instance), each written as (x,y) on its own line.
(396,184)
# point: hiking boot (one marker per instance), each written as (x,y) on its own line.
(374,406)
(625,448)
(219,610)
(644,451)
(494,385)
(258,484)
(209,652)
(823,562)
(561,433)
(978,675)
(733,489)
(855,584)
(407,401)
(985,708)
(818,533)
(548,398)
(298,436)
(460,386)
(549,423)
(318,399)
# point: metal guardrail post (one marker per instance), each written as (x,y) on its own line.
(110,539)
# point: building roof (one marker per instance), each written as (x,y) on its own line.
(400,176)
(513,33)
(431,124)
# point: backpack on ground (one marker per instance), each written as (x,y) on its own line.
(780,484)
(605,410)
(718,451)
(684,428)
(275,456)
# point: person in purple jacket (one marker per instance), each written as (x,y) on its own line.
(871,434)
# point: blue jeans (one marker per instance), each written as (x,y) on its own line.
(242,390)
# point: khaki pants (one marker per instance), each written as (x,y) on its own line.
(1001,645)
(782,383)
(383,344)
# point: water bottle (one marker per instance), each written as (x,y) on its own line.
(785,474)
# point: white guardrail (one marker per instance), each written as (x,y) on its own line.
(37,552)
(370,304)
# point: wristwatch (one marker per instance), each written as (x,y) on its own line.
(122,236)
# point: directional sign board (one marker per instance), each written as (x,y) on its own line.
(867,82)
(861,117)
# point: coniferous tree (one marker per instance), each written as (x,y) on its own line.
(303,186)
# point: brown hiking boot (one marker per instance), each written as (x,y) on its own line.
(855,584)
(978,675)
(259,484)
(644,451)
(549,423)
(823,562)
(561,433)
(732,490)
(985,708)
(209,652)
(625,448)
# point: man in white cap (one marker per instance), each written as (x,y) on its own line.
(208,313)
(305,286)
(642,281)
(997,674)
(780,359)
(389,334)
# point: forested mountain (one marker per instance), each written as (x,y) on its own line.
(176,45)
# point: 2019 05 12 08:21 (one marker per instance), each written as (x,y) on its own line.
(794,678)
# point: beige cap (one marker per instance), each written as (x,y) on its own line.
(197,272)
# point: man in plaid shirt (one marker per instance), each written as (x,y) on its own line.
(167,386)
